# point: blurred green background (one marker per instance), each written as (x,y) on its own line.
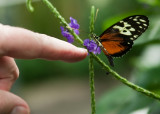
(56,87)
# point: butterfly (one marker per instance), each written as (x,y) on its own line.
(118,39)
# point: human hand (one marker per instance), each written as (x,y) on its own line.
(20,43)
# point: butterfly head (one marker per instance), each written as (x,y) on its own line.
(94,36)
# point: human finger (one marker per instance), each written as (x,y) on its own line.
(12,104)
(25,44)
(8,72)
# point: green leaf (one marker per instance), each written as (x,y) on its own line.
(112,102)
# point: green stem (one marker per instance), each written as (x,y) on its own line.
(29,5)
(92,87)
(91,27)
(91,67)
(125,81)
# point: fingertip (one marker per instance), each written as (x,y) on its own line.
(83,51)
(12,104)
(20,110)
(75,55)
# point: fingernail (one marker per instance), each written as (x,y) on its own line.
(83,50)
(19,110)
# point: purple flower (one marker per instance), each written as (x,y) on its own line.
(73,24)
(92,46)
(66,34)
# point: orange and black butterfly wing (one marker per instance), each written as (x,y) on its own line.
(118,39)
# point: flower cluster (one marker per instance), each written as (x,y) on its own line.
(92,46)
(73,24)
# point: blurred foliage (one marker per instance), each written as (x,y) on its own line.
(134,65)
(150,2)
(122,100)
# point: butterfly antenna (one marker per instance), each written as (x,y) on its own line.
(96,15)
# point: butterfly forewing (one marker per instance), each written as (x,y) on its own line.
(118,39)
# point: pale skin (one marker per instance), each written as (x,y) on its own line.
(20,43)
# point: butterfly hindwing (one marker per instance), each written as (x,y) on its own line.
(118,39)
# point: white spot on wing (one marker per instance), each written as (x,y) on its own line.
(135,36)
(138,22)
(124,30)
(145,24)
(142,20)
(135,19)
(131,39)
(132,29)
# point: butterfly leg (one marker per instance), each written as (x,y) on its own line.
(110,59)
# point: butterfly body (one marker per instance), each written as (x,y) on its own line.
(118,39)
